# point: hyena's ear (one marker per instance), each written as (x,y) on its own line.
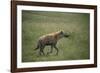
(61,32)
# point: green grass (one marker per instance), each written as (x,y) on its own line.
(38,23)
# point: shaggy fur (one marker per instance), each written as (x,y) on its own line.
(50,40)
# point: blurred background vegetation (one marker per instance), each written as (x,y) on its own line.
(38,23)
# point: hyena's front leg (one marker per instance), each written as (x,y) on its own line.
(56,49)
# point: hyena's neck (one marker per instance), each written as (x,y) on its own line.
(57,37)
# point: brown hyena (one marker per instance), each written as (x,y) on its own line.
(50,40)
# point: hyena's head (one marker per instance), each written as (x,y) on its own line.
(63,34)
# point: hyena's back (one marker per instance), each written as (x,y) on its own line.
(48,39)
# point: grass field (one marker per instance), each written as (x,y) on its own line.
(38,23)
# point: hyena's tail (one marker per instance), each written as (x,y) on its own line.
(36,48)
(38,45)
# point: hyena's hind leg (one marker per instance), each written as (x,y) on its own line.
(41,52)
